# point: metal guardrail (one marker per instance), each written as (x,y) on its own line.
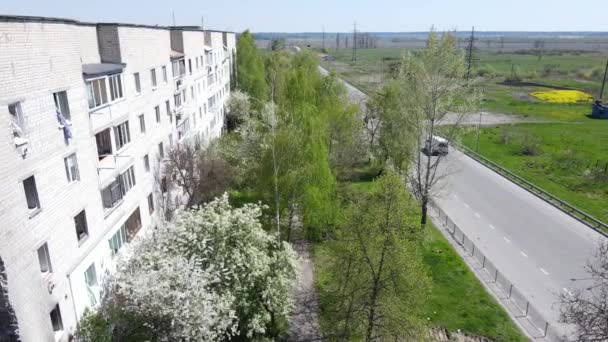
(562,205)
(503,288)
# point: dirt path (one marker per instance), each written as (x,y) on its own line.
(304,320)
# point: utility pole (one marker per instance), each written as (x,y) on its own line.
(354,59)
(604,82)
(173,15)
(337,40)
(323,38)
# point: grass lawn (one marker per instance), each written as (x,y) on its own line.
(458,299)
(566,163)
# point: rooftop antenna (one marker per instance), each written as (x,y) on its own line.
(202,23)
(173,15)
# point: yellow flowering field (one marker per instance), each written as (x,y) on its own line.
(562,96)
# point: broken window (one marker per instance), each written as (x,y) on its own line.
(82,229)
(104,143)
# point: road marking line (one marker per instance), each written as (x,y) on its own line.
(545,272)
(477,215)
(491,226)
(524,254)
(466,205)
(507,240)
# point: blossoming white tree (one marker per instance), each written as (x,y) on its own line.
(213,275)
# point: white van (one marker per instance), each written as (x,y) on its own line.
(436,145)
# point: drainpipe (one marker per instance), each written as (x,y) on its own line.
(72,295)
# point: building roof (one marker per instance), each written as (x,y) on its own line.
(100,69)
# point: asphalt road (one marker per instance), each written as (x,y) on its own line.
(535,245)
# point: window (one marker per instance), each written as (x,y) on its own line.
(190,65)
(170,139)
(137,83)
(153,77)
(71,168)
(115,192)
(163,185)
(178,67)
(115,86)
(61,104)
(17,119)
(56,321)
(150,203)
(44,259)
(157,112)
(192,92)
(82,229)
(142,124)
(90,276)
(31,193)
(177,98)
(90,279)
(118,239)
(161,150)
(104,143)
(96,93)
(168,107)
(164,74)
(146,163)
(196,63)
(133,224)
(122,135)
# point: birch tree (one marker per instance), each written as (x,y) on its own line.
(434,97)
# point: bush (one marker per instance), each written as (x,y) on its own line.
(530,144)
(486,71)
(506,135)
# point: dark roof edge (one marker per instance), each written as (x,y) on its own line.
(36,19)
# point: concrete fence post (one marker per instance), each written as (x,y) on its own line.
(473,251)
(483,264)
(546,328)
(463,237)
(527,307)
(496,275)
(510,290)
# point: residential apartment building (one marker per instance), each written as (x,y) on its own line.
(89,111)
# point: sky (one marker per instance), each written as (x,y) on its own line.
(332,15)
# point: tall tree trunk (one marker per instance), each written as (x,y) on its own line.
(424,207)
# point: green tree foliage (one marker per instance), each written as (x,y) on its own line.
(382,282)
(250,68)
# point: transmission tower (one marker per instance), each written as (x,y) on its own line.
(323,38)
(354,59)
(470,57)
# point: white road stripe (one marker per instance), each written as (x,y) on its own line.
(477,215)
(524,254)
(545,272)
(491,226)
(507,240)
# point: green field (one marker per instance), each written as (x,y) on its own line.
(572,148)
(458,300)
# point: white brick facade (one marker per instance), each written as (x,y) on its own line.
(42,56)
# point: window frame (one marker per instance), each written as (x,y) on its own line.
(61,100)
(122,135)
(35,197)
(72,175)
(164,72)
(153,79)
(157,113)
(146,163)
(44,248)
(115,82)
(137,81)
(56,319)
(83,234)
